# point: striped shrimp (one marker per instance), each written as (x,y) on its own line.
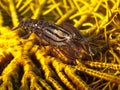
(58,36)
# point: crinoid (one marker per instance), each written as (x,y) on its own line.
(25,64)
